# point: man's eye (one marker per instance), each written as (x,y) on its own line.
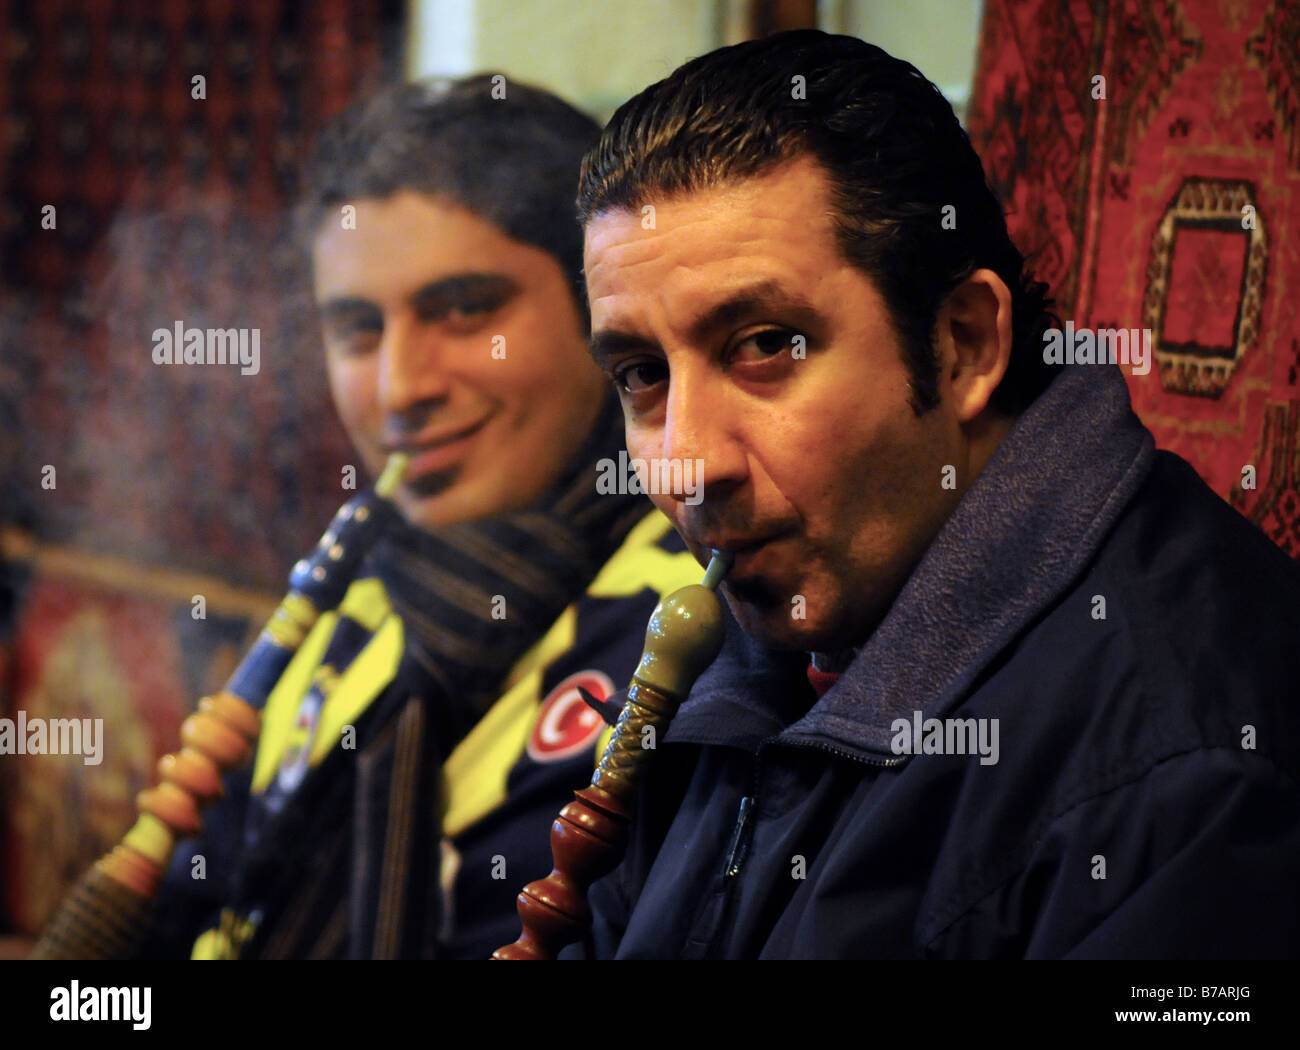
(353,337)
(469,308)
(466,311)
(764,345)
(640,376)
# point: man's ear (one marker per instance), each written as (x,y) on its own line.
(974,334)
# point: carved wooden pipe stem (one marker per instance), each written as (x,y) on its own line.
(589,836)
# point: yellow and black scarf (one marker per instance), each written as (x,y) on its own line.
(347,866)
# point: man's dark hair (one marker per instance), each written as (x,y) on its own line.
(895,155)
(510,160)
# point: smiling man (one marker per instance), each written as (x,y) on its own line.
(1007,681)
(416,746)
(486,431)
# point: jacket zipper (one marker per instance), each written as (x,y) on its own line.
(738,847)
(867,760)
(739,839)
(742,833)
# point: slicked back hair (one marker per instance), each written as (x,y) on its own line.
(510,160)
(895,156)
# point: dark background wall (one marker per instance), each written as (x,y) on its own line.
(168,482)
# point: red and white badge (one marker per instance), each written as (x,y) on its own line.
(565,724)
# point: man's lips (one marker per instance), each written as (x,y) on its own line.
(744,549)
(431,454)
(732,544)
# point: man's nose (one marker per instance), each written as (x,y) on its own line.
(412,369)
(701,432)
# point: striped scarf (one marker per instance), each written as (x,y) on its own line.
(474,596)
(349,867)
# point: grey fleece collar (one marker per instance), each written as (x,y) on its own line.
(1019,538)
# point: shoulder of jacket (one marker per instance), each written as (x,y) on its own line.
(1152,812)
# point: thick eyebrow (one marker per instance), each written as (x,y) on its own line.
(334,310)
(759,298)
(448,291)
(763,297)
(445,292)
(607,344)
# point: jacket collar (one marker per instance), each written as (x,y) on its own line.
(1021,535)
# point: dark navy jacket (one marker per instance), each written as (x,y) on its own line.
(1145,801)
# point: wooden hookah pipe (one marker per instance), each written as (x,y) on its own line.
(105,914)
(590,835)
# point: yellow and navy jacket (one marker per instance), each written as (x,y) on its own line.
(361,837)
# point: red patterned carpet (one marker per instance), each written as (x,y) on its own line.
(1171,204)
(168,204)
